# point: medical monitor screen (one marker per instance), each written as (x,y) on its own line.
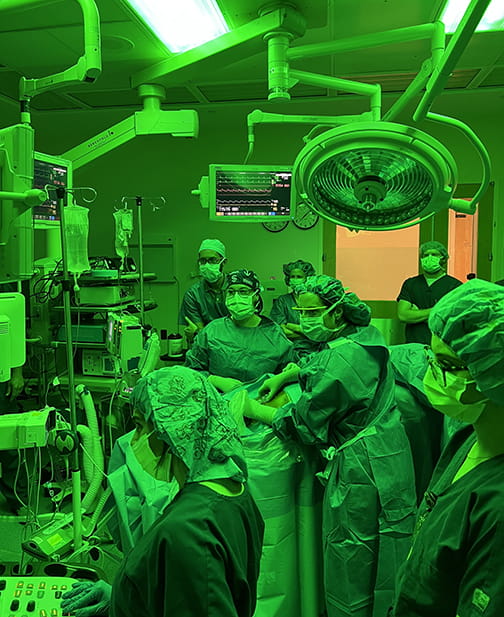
(250,193)
(55,172)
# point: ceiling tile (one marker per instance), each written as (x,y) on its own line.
(52,101)
(495,78)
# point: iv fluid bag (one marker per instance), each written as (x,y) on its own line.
(123,230)
(76,235)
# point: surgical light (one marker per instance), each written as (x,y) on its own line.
(375,175)
(493,19)
(181,25)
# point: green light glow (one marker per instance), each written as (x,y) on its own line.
(493,19)
(181,25)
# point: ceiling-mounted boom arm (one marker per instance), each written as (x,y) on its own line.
(87,68)
(151,120)
(456,47)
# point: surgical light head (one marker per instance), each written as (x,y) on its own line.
(375,175)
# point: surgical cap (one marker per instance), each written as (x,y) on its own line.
(304,266)
(191,417)
(432,245)
(212,244)
(331,291)
(244,277)
(470,320)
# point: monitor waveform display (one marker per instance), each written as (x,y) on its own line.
(54,174)
(252,192)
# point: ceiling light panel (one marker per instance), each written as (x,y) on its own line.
(181,25)
(454,10)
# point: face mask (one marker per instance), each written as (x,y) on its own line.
(315,329)
(149,462)
(446,399)
(210,272)
(241,307)
(294,283)
(431,264)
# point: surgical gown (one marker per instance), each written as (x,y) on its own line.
(228,350)
(423,423)
(139,499)
(347,411)
(456,564)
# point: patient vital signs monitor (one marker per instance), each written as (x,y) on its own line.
(52,171)
(249,193)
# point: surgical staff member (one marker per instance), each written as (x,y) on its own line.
(244,346)
(202,556)
(204,301)
(347,413)
(295,273)
(420,293)
(455,567)
(283,310)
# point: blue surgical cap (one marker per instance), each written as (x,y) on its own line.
(191,417)
(470,320)
(331,291)
(212,244)
(304,266)
(432,245)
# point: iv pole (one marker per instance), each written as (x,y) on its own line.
(139,203)
(75,471)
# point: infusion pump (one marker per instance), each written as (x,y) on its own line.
(124,340)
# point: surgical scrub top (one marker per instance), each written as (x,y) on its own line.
(424,296)
(200,559)
(202,303)
(456,565)
(223,348)
(281,311)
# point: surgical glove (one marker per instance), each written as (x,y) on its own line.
(87,599)
(237,406)
(270,388)
(242,405)
(224,384)
(190,330)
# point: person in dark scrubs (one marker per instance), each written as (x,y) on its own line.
(420,293)
(201,558)
(204,301)
(455,566)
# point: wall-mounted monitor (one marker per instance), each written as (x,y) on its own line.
(53,171)
(249,193)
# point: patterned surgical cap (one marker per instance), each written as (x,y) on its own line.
(331,291)
(193,419)
(244,277)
